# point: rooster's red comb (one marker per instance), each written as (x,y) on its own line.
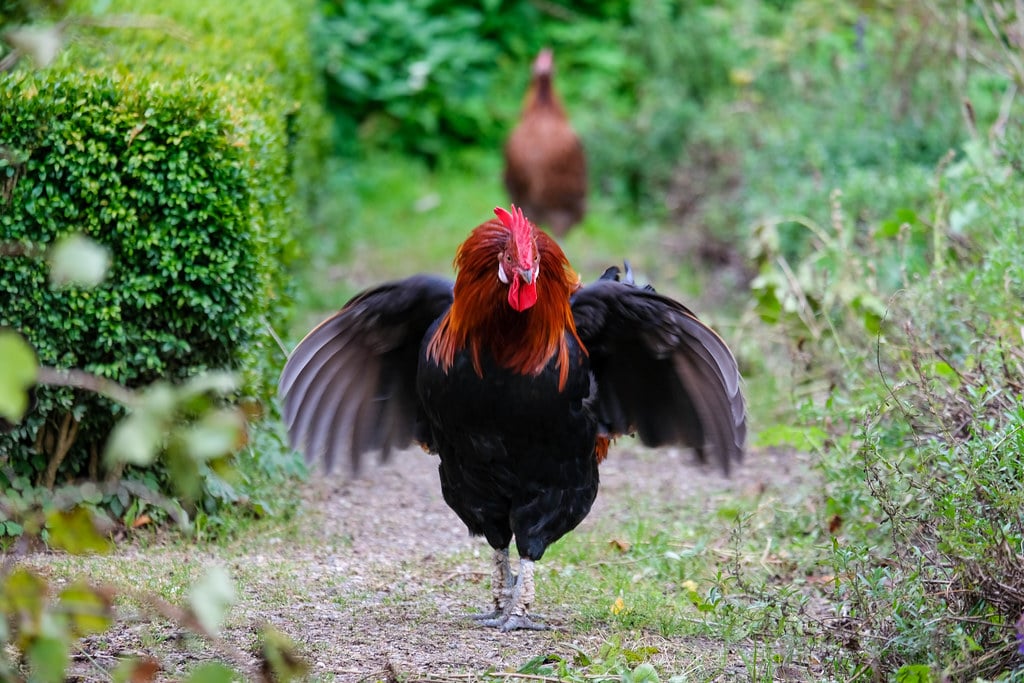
(522,231)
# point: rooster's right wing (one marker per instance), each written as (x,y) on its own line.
(660,372)
(349,387)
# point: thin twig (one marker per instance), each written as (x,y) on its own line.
(20,249)
(80,379)
(537,677)
(764,555)
(460,574)
(276,338)
(998,129)
(806,310)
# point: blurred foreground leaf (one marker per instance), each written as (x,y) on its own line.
(280,660)
(48,657)
(22,597)
(210,598)
(41,43)
(74,531)
(77,260)
(215,435)
(136,440)
(212,673)
(88,610)
(17,374)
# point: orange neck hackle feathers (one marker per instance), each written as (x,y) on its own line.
(483,319)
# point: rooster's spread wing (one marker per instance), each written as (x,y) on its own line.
(349,387)
(660,372)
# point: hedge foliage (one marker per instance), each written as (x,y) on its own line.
(185,142)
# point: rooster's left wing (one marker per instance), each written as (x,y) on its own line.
(660,372)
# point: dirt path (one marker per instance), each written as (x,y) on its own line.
(383,600)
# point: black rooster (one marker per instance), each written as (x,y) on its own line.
(518,378)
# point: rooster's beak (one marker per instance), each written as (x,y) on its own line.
(527,275)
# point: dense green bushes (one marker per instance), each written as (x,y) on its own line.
(887,235)
(410,77)
(911,380)
(185,144)
(155,178)
(926,472)
(429,76)
(779,91)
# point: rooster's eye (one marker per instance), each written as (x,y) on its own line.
(508,258)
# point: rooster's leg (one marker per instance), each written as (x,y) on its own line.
(514,616)
(502,584)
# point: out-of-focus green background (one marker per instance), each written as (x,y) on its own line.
(835,186)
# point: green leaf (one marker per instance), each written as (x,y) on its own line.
(801,438)
(215,435)
(729,512)
(891,227)
(48,658)
(77,260)
(220,383)
(941,369)
(644,673)
(17,374)
(211,673)
(769,306)
(136,440)
(184,473)
(22,599)
(539,665)
(211,596)
(159,400)
(281,657)
(914,673)
(89,611)
(75,531)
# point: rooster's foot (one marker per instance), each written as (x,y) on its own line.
(515,622)
(512,607)
(487,617)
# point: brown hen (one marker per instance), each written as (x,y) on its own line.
(545,166)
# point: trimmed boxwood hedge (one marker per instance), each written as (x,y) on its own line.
(189,151)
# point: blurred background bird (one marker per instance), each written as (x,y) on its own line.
(518,378)
(545,166)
